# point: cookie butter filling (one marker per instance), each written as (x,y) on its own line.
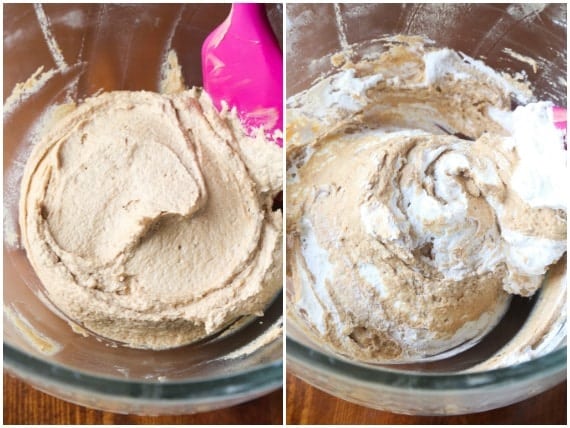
(148,217)
(418,202)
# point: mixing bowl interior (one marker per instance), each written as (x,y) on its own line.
(77,51)
(537,35)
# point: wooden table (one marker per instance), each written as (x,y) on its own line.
(308,405)
(27,406)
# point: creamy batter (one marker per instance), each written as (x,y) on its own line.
(417,202)
(148,217)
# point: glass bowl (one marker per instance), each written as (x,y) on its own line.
(483,31)
(85,49)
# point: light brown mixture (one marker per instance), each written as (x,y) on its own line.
(148,218)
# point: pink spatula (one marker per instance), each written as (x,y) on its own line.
(242,65)
(560,117)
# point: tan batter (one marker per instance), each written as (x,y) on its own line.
(404,242)
(148,218)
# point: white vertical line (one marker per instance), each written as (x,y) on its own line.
(284,211)
(48,36)
(341,27)
(175,25)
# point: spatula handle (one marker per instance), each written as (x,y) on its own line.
(251,19)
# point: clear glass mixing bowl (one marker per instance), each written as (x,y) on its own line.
(93,47)
(483,31)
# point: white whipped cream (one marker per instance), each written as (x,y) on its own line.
(540,177)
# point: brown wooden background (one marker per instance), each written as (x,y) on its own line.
(27,406)
(308,405)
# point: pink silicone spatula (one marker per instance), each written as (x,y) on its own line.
(242,65)
(560,117)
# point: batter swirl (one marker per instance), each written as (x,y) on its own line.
(149,221)
(404,242)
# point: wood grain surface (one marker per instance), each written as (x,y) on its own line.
(308,405)
(27,406)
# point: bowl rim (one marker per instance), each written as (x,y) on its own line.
(34,370)
(550,364)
